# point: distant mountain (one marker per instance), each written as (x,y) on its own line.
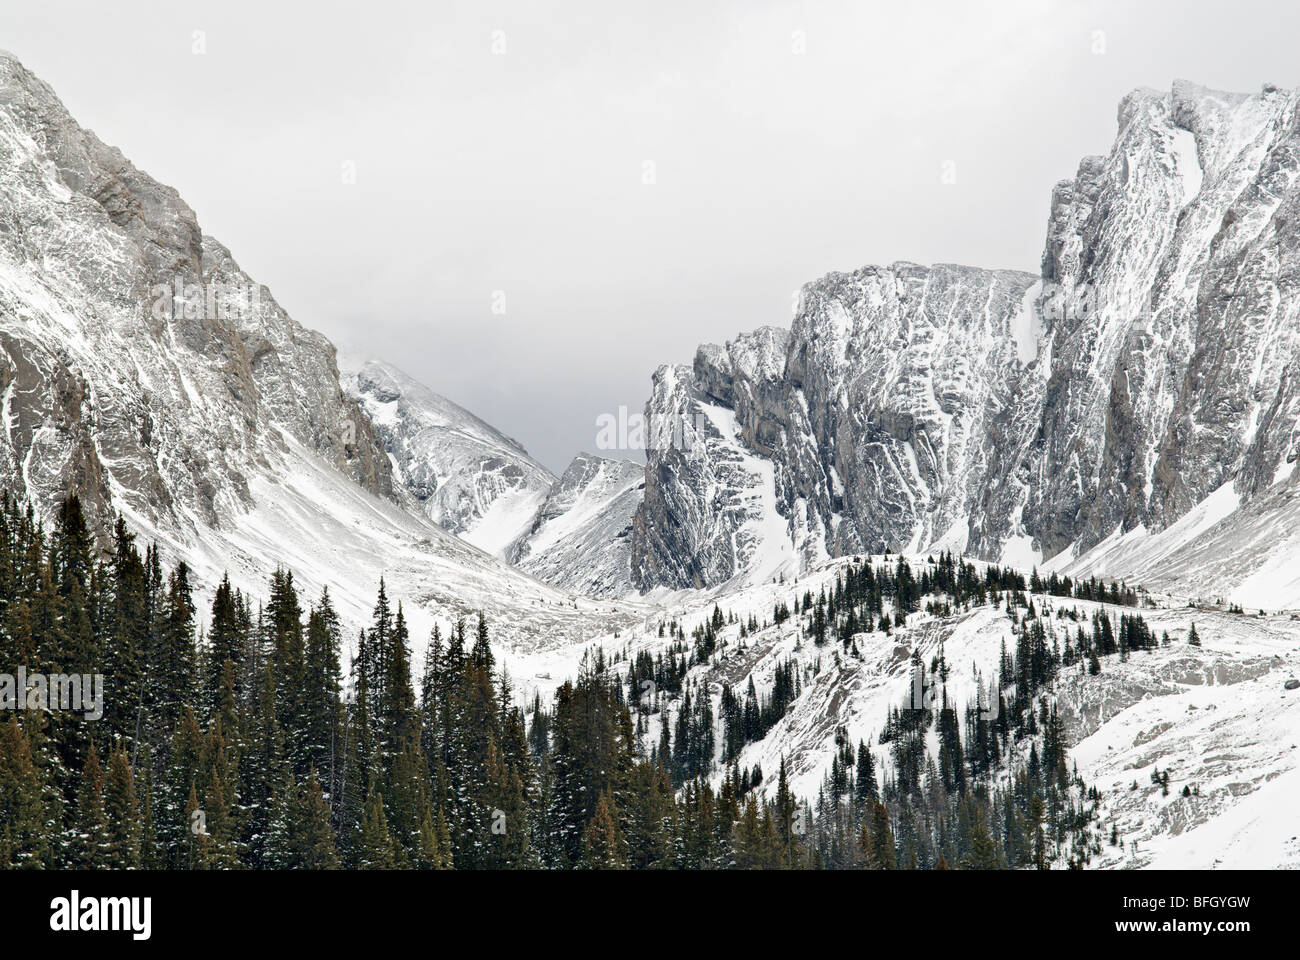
(573,532)
(467,476)
(580,539)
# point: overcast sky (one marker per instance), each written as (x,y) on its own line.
(501,154)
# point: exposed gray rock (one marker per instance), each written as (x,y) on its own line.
(111,387)
(867,426)
(1015,417)
(215,423)
(710,513)
(1175,381)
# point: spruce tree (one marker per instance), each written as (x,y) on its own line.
(375,846)
(603,846)
(122,825)
(311,839)
(90,822)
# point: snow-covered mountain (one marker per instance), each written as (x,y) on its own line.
(711,514)
(572,531)
(141,368)
(580,538)
(119,384)
(468,477)
(1151,363)
(1131,411)
(868,425)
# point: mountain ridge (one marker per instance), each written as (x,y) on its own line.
(143,370)
(1019,417)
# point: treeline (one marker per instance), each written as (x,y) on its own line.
(869,597)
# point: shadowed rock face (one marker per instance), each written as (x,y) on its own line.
(111,387)
(1154,359)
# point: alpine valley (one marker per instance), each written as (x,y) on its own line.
(961,567)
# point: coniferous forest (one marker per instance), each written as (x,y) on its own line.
(244,737)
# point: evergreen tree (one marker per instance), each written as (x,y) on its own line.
(603,845)
(90,822)
(122,826)
(375,848)
(311,839)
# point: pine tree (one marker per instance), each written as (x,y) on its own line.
(434,850)
(173,674)
(322,683)
(882,854)
(375,847)
(603,845)
(226,644)
(90,821)
(311,840)
(122,826)
(24,841)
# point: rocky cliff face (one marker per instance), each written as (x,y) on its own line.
(1152,361)
(710,513)
(1174,371)
(867,426)
(137,361)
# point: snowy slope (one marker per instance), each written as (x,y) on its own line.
(1219,722)
(330,533)
(571,532)
(1216,717)
(1222,551)
(467,476)
(212,421)
(579,538)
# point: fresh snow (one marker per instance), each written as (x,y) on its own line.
(1215,717)
(1187,164)
(1028,325)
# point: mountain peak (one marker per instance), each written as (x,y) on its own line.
(1012,416)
